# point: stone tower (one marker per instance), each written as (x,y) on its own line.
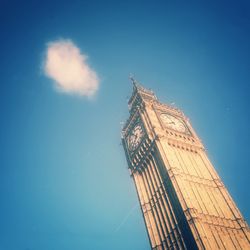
(183,200)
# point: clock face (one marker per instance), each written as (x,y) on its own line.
(135,137)
(173,122)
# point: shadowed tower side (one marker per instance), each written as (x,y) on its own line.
(184,203)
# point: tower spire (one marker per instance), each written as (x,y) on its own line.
(138,86)
(134,82)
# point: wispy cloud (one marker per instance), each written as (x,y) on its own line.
(68,67)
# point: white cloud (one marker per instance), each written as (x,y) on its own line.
(67,66)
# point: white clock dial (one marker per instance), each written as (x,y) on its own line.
(135,137)
(173,122)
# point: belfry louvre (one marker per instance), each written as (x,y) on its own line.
(184,203)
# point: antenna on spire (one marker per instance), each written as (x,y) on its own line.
(131,77)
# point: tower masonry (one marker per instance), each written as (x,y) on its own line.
(184,203)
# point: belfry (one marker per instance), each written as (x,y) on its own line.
(184,203)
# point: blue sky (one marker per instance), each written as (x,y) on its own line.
(64,182)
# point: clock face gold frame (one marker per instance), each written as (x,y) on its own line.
(135,137)
(173,122)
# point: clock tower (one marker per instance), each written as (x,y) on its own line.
(184,203)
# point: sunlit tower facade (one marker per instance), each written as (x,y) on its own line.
(184,203)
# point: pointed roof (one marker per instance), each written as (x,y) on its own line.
(138,87)
(140,93)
